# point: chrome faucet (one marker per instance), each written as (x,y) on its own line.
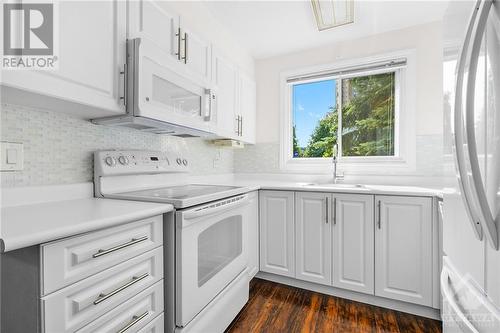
(335,153)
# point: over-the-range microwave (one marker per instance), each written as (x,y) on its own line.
(160,100)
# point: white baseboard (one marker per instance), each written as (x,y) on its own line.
(414,309)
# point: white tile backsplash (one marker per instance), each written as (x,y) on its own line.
(58,148)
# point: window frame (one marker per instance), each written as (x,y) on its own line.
(404,156)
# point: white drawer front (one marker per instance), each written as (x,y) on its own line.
(75,306)
(70,260)
(155,326)
(132,315)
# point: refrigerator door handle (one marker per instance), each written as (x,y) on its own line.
(458,316)
(461,160)
(478,190)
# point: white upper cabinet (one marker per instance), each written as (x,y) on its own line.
(92,37)
(277,250)
(247,107)
(156,21)
(196,54)
(313,237)
(403,248)
(225,80)
(149,19)
(353,242)
(236,100)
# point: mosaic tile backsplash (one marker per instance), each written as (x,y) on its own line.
(58,148)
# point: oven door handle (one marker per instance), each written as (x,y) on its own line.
(214,208)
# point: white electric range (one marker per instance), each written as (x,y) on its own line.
(211,226)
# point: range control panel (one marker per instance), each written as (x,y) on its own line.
(127,162)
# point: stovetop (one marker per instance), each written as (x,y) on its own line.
(182,196)
(182,192)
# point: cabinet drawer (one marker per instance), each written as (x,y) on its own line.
(73,307)
(132,315)
(73,259)
(155,326)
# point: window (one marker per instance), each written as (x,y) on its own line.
(357,113)
(364,106)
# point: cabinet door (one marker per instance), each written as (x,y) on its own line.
(313,237)
(353,242)
(247,107)
(403,249)
(155,21)
(277,250)
(253,234)
(92,37)
(196,54)
(225,81)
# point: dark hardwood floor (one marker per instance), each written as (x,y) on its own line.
(276,307)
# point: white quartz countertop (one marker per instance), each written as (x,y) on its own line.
(27,225)
(329,187)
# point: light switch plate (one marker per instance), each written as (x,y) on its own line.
(11,154)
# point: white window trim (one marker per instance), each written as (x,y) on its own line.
(405,134)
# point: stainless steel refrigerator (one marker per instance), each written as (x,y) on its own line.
(470,277)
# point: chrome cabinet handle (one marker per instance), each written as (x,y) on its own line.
(102,297)
(125,84)
(178,35)
(185,39)
(326,210)
(459,137)
(210,98)
(334,211)
(477,188)
(238,124)
(379,223)
(135,320)
(119,247)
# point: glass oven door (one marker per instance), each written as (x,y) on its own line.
(211,250)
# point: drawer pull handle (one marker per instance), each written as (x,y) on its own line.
(135,320)
(119,247)
(102,297)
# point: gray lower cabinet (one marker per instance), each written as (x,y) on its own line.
(313,239)
(353,242)
(106,280)
(276,218)
(404,249)
(377,245)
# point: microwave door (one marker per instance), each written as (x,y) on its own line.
(166,95)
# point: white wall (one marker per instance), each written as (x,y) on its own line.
(426,40)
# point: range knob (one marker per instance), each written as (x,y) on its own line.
(123,160)
(185,162)
(179,161)
(110,161)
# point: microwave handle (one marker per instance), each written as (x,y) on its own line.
(214,208)
(210,98)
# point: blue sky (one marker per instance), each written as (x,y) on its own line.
(311,101)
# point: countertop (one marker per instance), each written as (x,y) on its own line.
(27,225)
(329,187)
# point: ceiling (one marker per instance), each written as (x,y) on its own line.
(269,28)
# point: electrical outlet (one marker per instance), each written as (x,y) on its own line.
(12,156)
